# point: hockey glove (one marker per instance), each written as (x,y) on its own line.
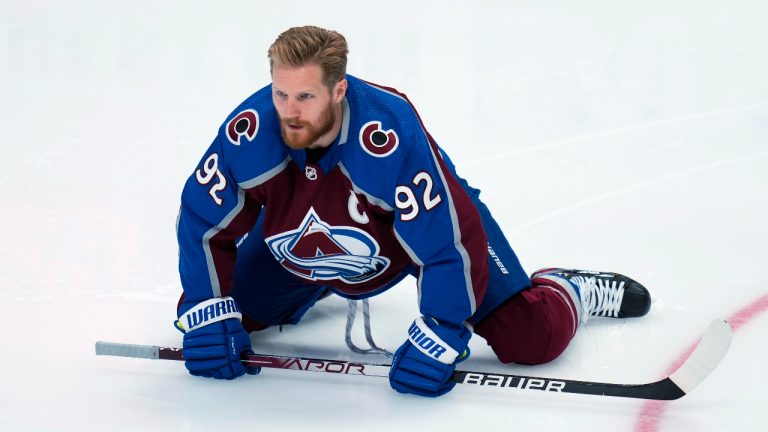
(214,340)
(424,364)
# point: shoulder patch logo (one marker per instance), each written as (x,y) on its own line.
(245,124)
(376,141)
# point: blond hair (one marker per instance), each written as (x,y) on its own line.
(299,46)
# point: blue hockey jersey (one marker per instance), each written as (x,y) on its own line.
(380,201)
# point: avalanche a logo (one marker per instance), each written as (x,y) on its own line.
(319,251)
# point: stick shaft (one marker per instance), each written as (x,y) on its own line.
(664,389)
(705,357)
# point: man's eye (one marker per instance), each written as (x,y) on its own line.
(306,96)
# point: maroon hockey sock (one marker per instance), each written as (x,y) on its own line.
(533,327)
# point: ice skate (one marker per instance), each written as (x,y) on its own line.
(605,294)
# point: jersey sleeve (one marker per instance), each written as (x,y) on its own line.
(215,211)
(439,227)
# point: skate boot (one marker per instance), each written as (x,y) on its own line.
(605,294)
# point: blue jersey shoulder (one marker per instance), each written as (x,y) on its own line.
(250,137)
(384,130)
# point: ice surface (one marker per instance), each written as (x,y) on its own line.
(624,136)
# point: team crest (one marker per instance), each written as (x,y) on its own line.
(377,141)
(319,251)
(245,124)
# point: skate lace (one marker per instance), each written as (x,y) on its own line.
(599,297)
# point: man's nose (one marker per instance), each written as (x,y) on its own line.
(293,110)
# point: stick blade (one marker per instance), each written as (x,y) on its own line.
(127,350)
(707,355)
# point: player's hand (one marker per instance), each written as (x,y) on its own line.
(423,365)
(214,340)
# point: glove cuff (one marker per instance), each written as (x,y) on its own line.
(430,344)
(208,312)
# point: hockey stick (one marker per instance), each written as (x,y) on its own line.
(707,355)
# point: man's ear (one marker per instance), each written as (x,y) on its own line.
(339,90)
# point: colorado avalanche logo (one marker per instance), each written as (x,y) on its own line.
(376,141)
(318,251)
(244,124)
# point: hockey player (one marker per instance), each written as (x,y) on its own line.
(322,182)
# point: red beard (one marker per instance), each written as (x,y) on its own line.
(309,133)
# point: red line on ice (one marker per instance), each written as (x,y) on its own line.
(652,411)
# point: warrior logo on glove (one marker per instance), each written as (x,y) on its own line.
(208,312)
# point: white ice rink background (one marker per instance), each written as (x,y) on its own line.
(629,136)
